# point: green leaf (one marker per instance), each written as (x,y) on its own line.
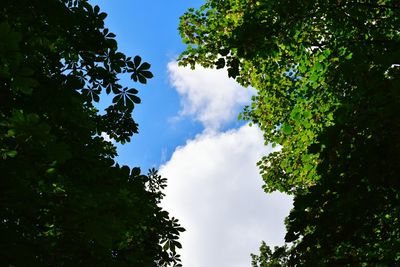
(286,129)
(135,99)
(147,74)
(111,35)
(134,77)
(142,79)
(144,66)
(11,153)
(137,61)
(11,133)
(96,97)
(132,91)
(117,98)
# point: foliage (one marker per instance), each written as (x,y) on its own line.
(351,217)
(63,199)
(268,258)
(327,77)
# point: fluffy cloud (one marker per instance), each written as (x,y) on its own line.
(214,185)
(215,190)
(208,94)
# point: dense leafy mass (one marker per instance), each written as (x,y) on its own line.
(327,76)
(63,199)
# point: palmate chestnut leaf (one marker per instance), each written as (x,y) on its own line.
(92,94)
(127,97)
(139,72)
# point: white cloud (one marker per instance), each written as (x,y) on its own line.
(208,94)
(214,183)
(215,190)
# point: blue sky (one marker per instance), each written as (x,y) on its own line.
(149,29)
(188,129)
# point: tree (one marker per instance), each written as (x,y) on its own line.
(63,199)
(327,77)
(268,258)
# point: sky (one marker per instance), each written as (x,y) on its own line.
(188,129)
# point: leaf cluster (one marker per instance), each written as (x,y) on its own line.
(63,199)
(327,80)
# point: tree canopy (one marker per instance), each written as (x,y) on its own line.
(63,199)
(327,79)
